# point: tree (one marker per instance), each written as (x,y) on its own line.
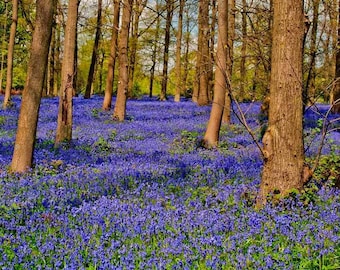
(123,76)
(3,44)
(169,13)
(179,84)
(10,53)
(64,124)
(283,141)
(29,111)
(243,49)
(211,136)
(112,57)
(336,92)
(94,51)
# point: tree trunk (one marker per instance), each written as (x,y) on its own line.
(64,127)
(94,52)
(154,52)
(10,54)
(230,59)
(3,45)
(112,58)
(51,65)
(336,91)
(211,136)
(169,13)
(179,82)
(29,112)
(211,61)
(283,141)
(186,54)
(203,90)
(123,40)
(243,70)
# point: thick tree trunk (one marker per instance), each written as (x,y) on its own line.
(29,112)
(64,127)
(179,82)
(94,52)
(283,141)
(169,13)
(10,54)
(211,136)
(336,91)
(112,58)
(123,40)
(230,60)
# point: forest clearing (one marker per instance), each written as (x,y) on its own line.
(143,194)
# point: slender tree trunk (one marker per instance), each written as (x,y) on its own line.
(186,54)
(27,125)
(3,44)
(123,40)
(64,125)
(211,136)
(10,54)
(169,13)
(57,75)
(203,93)
(230,60)
(212,49)
(94,51)
(309,91)
(112,58)
(336,91)
(51,65)
(179,82)
(283,148)
(243,69)
(154,53)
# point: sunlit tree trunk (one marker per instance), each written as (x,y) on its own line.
(212,34)
(123,76)
(94,51)
(51,65)
(112,58)
(64,125)
(283,141)
(211,136)
(169,13)
(179,82)
(27,125)
(10,54)
(186,54)
(230,60)
(3,45)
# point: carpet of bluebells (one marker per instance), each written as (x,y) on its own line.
(144,194)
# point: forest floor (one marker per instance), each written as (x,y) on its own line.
(143,194)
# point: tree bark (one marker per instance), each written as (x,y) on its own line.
(169,13)
(211,136)
(243,70)
(112,58)
(283,141)
(120,106)
(179,82)
(336,91)
(94,52)
(64,125)
(10,54)
(29,112)
(3,45)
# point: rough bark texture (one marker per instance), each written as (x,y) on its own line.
(211,136)
(10,54)
(64,127)
(90,76)
(28,118)
(336,91)
(283,142)
(112,58)
(120,106)
(179,82)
